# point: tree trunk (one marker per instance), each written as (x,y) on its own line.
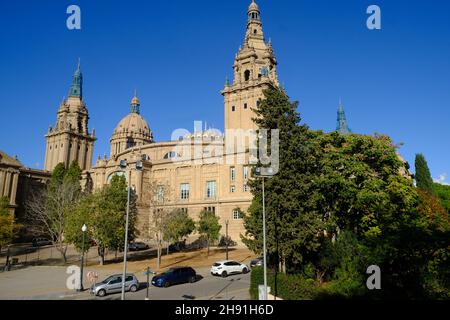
(101,255)
(62,250)
(158,259)
(207,252)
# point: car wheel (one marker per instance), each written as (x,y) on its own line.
(133,288)
(101,293)
(192,279)
(166,284)
(224,274)
(245,270)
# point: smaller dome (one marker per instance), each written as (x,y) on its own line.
(253,6)
(133,122)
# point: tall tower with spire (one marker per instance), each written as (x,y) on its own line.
(254,70)
(342,126)
(70,139)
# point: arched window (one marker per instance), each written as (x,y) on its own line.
(171,155)
(247,75)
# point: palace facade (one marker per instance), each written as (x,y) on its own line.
(203,180)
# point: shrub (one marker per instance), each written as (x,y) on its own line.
(285,286)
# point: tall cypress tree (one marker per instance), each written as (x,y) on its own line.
(423,176)
(291,227)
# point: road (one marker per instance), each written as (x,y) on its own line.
(49,283)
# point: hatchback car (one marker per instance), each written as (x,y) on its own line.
(113,284)
(174,276)
(40,242)
(137,246)
(257,262)
(227,267)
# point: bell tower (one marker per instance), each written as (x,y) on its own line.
(254,70)
(70,139)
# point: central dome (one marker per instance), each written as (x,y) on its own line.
(133,123)
(132,131)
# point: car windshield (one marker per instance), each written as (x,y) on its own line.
(216,264)
(108,279)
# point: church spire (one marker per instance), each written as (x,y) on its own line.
(342,126)
(76,89)
(135,104)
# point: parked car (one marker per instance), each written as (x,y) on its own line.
(138,246)
(258,262)
(40,242)
(113,284)
(227,267)
(174,276)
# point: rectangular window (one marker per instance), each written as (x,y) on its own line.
(233,108)
(210,189)
(245,172)
(184,191)
(245,188)
(232,189)
(232,173)
(237,214)
(245,106)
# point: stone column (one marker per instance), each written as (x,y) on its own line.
(7,184)
(2,181)
(15,181)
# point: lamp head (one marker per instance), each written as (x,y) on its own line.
(84,228)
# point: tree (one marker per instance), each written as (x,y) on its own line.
(209,227)
(178,226)
(443,193)
(154,201)
(48,209)
(107,209)
(292,224)
(423,176)
(80,216)
(8,227)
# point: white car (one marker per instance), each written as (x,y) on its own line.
(227,267)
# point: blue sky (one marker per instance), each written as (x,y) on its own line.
(177,54)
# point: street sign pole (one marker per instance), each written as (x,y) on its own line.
(148,281)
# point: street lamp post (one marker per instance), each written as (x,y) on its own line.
(269,174)
(83,229)
(123,165)
(226,238)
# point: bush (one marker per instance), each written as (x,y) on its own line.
(224,240)
(285,286)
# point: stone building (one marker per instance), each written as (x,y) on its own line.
(202,179)
(16,183)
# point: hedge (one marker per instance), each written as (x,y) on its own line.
(288,286)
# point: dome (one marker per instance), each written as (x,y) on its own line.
(253,6)
(133,123)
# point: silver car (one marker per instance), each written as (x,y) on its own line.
(113,284)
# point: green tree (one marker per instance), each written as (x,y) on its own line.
(80,216)
(8,227)
(178,226)
(209,227)
(423,176)
(108,216)
(443,192)
(292,224)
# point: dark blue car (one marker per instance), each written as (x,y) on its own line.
(174,276)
